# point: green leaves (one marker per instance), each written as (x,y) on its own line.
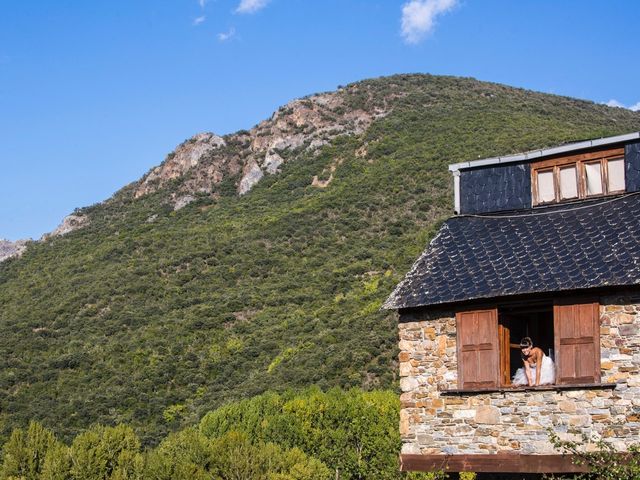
(113,453)
(352,432)
(25,454)
(105,453)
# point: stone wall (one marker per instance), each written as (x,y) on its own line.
(432,423)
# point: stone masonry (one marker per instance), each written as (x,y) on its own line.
(517,422)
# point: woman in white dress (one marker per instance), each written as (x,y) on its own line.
(538,369)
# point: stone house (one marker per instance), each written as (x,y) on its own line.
(545,245)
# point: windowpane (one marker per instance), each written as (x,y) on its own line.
(546,192)
(594,178)
(615,169)
(568,183)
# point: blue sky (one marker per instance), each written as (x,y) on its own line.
(94,93)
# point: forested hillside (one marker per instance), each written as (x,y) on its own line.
(152,315)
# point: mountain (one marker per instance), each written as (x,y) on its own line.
(258,260)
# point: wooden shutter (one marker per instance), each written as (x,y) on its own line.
(577,342)
(478,355)
(504,339)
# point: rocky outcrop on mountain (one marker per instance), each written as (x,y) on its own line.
(200,164)
(251,174)
(183,202)
(69,224)
(10,249)
(186,156)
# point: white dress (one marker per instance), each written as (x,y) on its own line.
(547,374)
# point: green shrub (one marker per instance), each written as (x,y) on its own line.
(105,453)
(183,455)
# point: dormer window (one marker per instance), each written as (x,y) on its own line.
(578,176)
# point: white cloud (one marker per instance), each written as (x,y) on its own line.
(199,20)
(616,103)
(224,36)
(202,3)
(251,6)
(419,17)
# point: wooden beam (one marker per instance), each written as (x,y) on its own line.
(562,159)
(524,388)
(491,463)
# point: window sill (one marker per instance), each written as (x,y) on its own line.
(543,388)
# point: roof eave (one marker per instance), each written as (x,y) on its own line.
(537,154)
(512,296)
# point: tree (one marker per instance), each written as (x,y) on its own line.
(26,451)
(106,453)
(354,433)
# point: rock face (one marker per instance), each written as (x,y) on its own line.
(69,223)
(251,174)
(11,249)
(16,249)
(186,156)
(201,163)
(183,202)
(272,161)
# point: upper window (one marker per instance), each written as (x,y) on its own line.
(578,176)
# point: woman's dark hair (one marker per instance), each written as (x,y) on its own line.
(526,342)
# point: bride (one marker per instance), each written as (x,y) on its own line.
(534,357)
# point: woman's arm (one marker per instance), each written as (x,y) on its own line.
(539,356)
(527,372)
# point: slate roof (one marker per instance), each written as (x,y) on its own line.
(565,247)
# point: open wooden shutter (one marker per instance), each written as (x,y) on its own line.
(577,342)
(478,354)
(504,342)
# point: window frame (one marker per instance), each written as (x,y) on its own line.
(503,379)
(579,160)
